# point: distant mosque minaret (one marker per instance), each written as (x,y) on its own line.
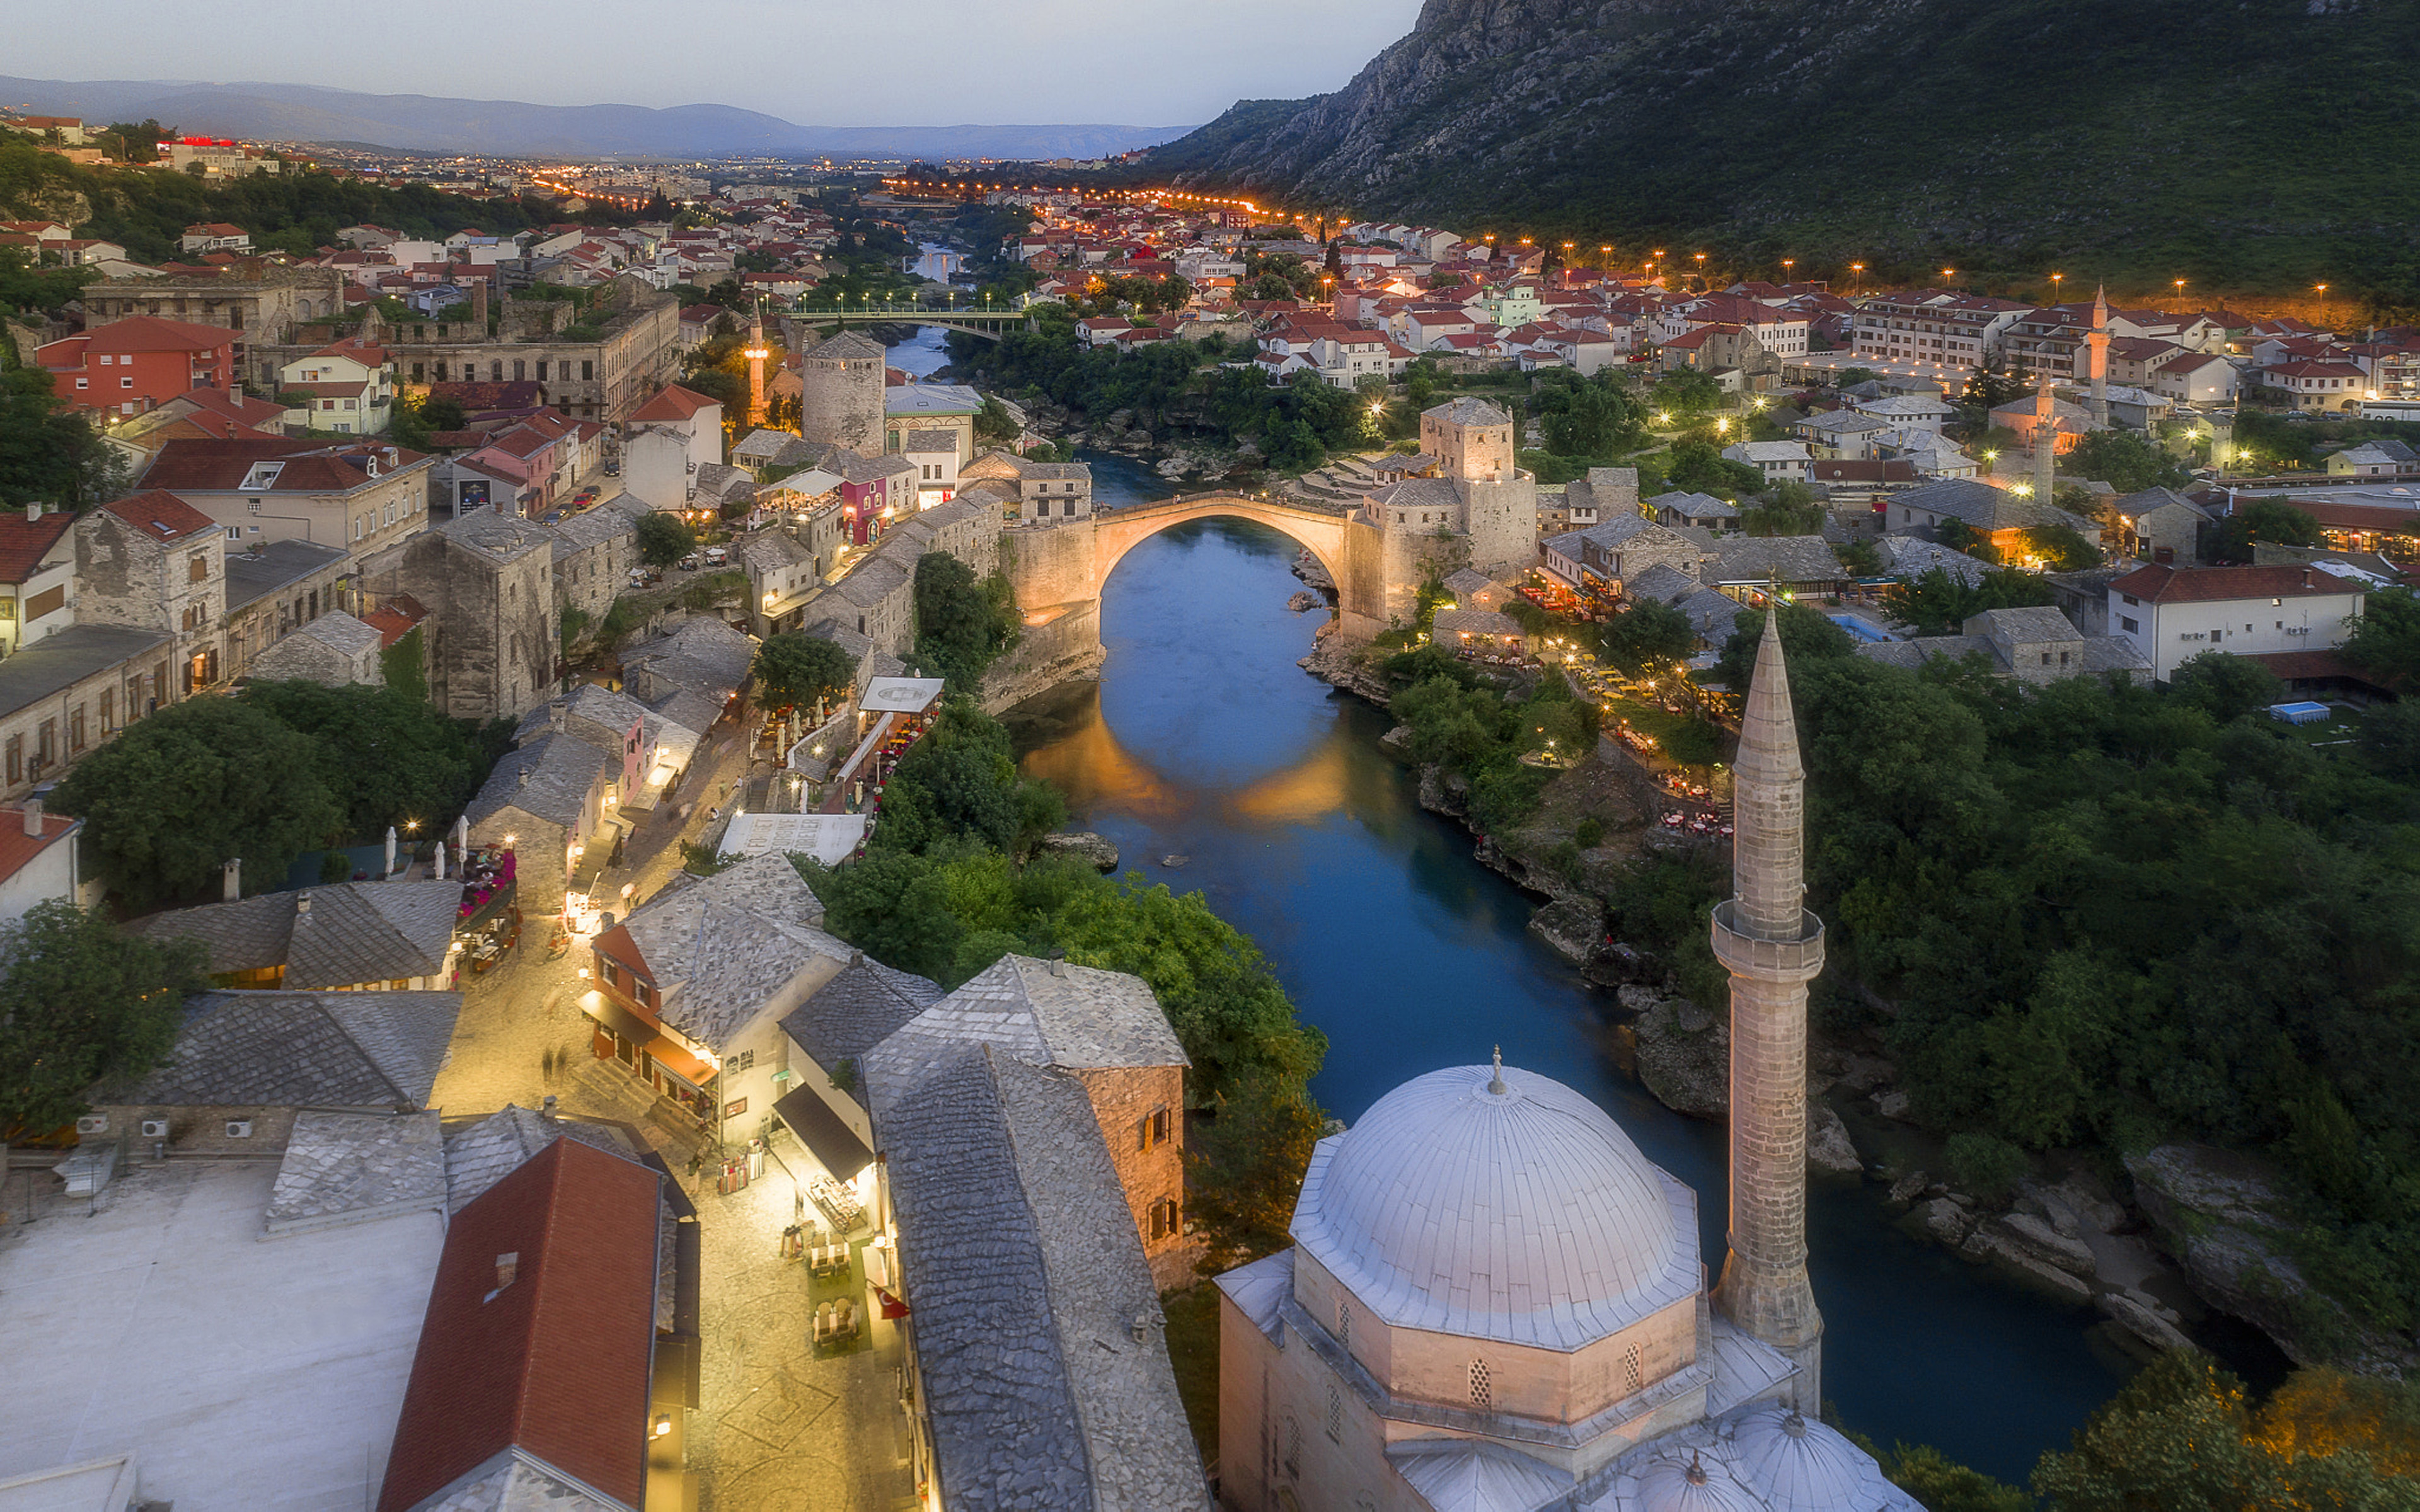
(2097,345)
(1772,946)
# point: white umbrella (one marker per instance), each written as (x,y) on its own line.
(390,849)
(461,836)
(440,873)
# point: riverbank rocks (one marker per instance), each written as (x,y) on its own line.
(1995,1243)
(1685,1057)
(1944,1221)
(1304,601)
(2143,1318)
(1339,664)
(1094,849)
(1573,928)
(1829,1149)
(2226,1217)
(1893,1105)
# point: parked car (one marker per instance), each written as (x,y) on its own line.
(688,562)
(613,470)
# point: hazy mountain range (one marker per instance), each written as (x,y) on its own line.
(428,123)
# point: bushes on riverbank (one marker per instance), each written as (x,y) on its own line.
(1475,734)
(2109,919)
(950,884)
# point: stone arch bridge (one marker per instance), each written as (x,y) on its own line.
(1058,571)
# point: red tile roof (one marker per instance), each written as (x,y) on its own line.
(2309,666)
(556,1362)
(674,403)
(23,543)
(161,516)
(396,619)
(186,466)
(149,333)
(2359,516)
(17,848)
(2209,585)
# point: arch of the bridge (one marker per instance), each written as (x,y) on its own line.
(1120,531)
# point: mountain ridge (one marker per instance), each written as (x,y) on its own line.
(434,123)
(2249,145)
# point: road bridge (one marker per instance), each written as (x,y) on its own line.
(988,321)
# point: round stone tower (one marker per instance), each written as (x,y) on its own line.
(841,399)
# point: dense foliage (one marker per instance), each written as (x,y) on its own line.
(662,538)
(386,756)
(1936,603)
(963,623)
(1477,735)
(49,453)
(797,671)
(80,1001)
(2111,915)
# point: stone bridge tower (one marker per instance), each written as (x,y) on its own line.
(1772,946)
(840,391)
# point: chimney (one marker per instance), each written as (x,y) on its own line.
(33,817)
(231,878)
(2307,577)
(33,513)
(524,776)
(479,303)
(508,1267)
(301,906)
(546,1109)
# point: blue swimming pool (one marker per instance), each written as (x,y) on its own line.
(1862,629)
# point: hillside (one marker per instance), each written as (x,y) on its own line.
(2255,147)
(428,123)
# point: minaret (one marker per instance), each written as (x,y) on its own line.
(2045,441)
(1771,947)
(756,354)
(2098,370)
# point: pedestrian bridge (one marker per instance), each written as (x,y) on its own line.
(1119,531)
(985,320)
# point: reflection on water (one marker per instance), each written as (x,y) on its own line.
(1205,740)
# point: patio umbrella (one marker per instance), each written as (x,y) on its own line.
(390,849)
(440,873)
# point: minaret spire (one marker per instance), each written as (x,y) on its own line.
(2045,441)
(2097,343)
(1771,947)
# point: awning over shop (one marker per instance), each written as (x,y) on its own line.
(825,1136)
(618,1019)
(681,1065)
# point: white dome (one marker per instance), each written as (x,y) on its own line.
(1526,1216)
(1802,1466)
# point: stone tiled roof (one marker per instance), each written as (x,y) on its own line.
(588,530)
(1908,556)
(480,1154)
(1468,411)
(701,654)
(561,772)
(341,632)
(1047,1012)
(1662,582)
(1475,1475)
(66,658)
(685,710)
(354,932)
(328,1050)
(1468,581)
(721,947)
(857,1009)
(930,440)
(1790,559)
(497,538)
(1417,493)
(1984,507)
(1028,1277)
(350,1167)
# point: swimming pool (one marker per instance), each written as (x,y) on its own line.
(1862,629)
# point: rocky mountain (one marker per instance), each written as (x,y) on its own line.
(2242,144)
(427,123)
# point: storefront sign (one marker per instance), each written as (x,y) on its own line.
(733,1110)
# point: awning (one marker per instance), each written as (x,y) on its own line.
(618,1019)
(681,1065)
(827,1137)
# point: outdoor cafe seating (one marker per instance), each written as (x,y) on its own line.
(836,1322)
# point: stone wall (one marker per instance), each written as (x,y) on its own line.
(199,1131)
(126,578)
(1123,1099)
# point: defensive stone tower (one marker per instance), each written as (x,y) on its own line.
(2097,369)
(1772,946)
(839,402)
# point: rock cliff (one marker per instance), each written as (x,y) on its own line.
(1902,130)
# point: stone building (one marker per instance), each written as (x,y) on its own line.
(1469,438)
(1494,1300)
(487,581)
(1479,511)
(274,588)
(701,657)
(334,651)
(1038,490)
(2034,645)
(840,403)
(593,553)
(545,802)
(267,305)
(669,439)
(599,364)
(63,696)
(151,562)
(361,495)
(781,576)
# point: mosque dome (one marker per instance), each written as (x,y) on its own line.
(1500,1206)
(1802,1466)
(1694,1483)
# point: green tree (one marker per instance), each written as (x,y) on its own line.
(1247,1162)
(801,672)
(994,423)
(79,1001)
(1701,466)
(1589,417)
(386,756)
(1652,634)
(1788,508)
(963,624)
(1684,392)
(959,782)
(49,454)
(2062,545)
(2222,685)
(2127,461)
(1943,1485)
(1934,603)
(2263,519)
(2390,733)
(2385,641)
(663,539)
(1987,387)
(194,785)
(1807,637)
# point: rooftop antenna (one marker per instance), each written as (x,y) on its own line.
(1496,1082)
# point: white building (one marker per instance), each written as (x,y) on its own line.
(2176,614)
(1780,461)
(668,438)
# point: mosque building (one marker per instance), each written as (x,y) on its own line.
(1495,1303)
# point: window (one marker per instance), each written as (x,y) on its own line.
(1631,1373)
(1292,1462)
(84,383)
(1343,1322)
(2128,625)
(48,601)
(46,742)
(235,532)
(126,383)
(16,760)
(1482,1390)
(1335,1413)
(108,710)
(587,371)
(197,567)
(1163,1218)
(75,727)
(1152,1130)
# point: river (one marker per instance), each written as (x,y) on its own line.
(1204,740)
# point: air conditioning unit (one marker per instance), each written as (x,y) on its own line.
(238,1127)
(93,1123)
(155,1127)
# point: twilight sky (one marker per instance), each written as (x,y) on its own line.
(815,62)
